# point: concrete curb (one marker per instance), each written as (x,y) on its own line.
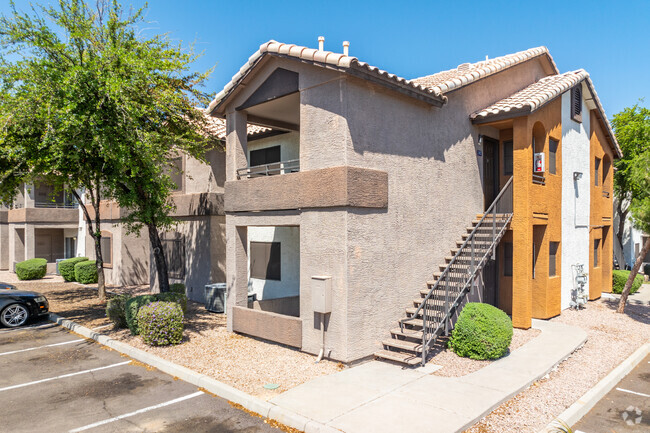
(253,404)
(580,408)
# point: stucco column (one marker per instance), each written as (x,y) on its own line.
(236,267)
(522,227)
(30,194)
(236,143)
(30,242)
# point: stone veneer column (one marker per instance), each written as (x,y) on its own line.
(30,242)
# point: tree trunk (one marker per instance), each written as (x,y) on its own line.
(622,216)
(630,279)
(94,229)
(159,257)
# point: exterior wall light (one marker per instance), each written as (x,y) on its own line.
(577,175)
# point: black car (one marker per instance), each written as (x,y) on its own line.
(17,306)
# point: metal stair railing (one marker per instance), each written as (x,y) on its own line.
(454,281)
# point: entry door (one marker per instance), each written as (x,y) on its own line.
(490,170)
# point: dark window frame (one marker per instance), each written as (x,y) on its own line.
(553,248)
(553,145)
(596,252)
(265,155)
(508,157)
(174,247)
(107,237)
(597,164)
(266,260)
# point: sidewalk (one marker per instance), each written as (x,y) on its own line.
(381,397)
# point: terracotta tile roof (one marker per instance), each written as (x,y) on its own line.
(534,96)
(446,81)
(538,94)
(217,127)
(329,59)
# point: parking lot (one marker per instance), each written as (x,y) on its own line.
(55,381)
(626,408)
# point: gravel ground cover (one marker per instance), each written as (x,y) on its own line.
(456,366)
(11,278)
(612,337)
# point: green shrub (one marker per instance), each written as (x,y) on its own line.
(177,288)
(116,310)
(32,269)
(161,323)
(481,332)
(619,278)
(86,272)
(66,267)
(134,304)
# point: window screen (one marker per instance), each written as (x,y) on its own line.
(552,258)
(265,260)
(106,244)
(552,156)
(507,259)
(596,171)
(265,156)
(507,157)
(596,248)
(175,256)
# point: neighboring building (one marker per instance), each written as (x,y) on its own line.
(372,181)
(41,223)
(633,240)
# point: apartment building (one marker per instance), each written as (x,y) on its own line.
(491,181)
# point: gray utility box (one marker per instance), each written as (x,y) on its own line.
(57,265)
(215,297)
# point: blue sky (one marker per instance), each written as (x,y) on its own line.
(607,38)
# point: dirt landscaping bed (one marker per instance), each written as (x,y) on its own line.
(612,337)
(240,361)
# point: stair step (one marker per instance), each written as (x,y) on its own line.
(419,322)
(404,345)
(404,358)
(432,313)
(407,333)
(477,243)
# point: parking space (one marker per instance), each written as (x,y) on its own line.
(55,381)
(626,408)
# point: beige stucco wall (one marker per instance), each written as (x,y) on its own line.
(380,258)
(4,241)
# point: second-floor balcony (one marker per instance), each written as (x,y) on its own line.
(272,169)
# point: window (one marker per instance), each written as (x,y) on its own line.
(596,171)
(175,173)
(174,248)
(70,248)
(507,259)
(596,248)
(106,244)
(265,260)
(552,156)
(268,155)
(576,103)
(507,157)
(552,258)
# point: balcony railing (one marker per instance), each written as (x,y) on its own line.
(605,194)
(538,179)
(282,167)
(55,205)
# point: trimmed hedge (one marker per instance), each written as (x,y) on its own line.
(481,332)
(619,278)
(116,310)
(32,269)
(86,272)
(177,288)
(134,304)
(161,323)
(66,267)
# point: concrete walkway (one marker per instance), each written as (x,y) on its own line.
(381,397)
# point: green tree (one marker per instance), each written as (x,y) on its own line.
(632,179)
(92,104)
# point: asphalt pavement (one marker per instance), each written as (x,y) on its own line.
(56,381)
(624,409)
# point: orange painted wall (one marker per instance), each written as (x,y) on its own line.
(601,211)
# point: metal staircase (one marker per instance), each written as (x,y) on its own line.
(432,312)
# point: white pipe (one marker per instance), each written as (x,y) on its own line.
(322,333)
(321,43)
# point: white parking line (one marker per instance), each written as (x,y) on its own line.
(41,347)
(24,328)
(633,392)
(137,412)
(7,388)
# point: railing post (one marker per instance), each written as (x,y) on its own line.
(424,331)
(471,267)
(494,231)
(446,306)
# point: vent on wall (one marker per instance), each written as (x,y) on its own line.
(576,103)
